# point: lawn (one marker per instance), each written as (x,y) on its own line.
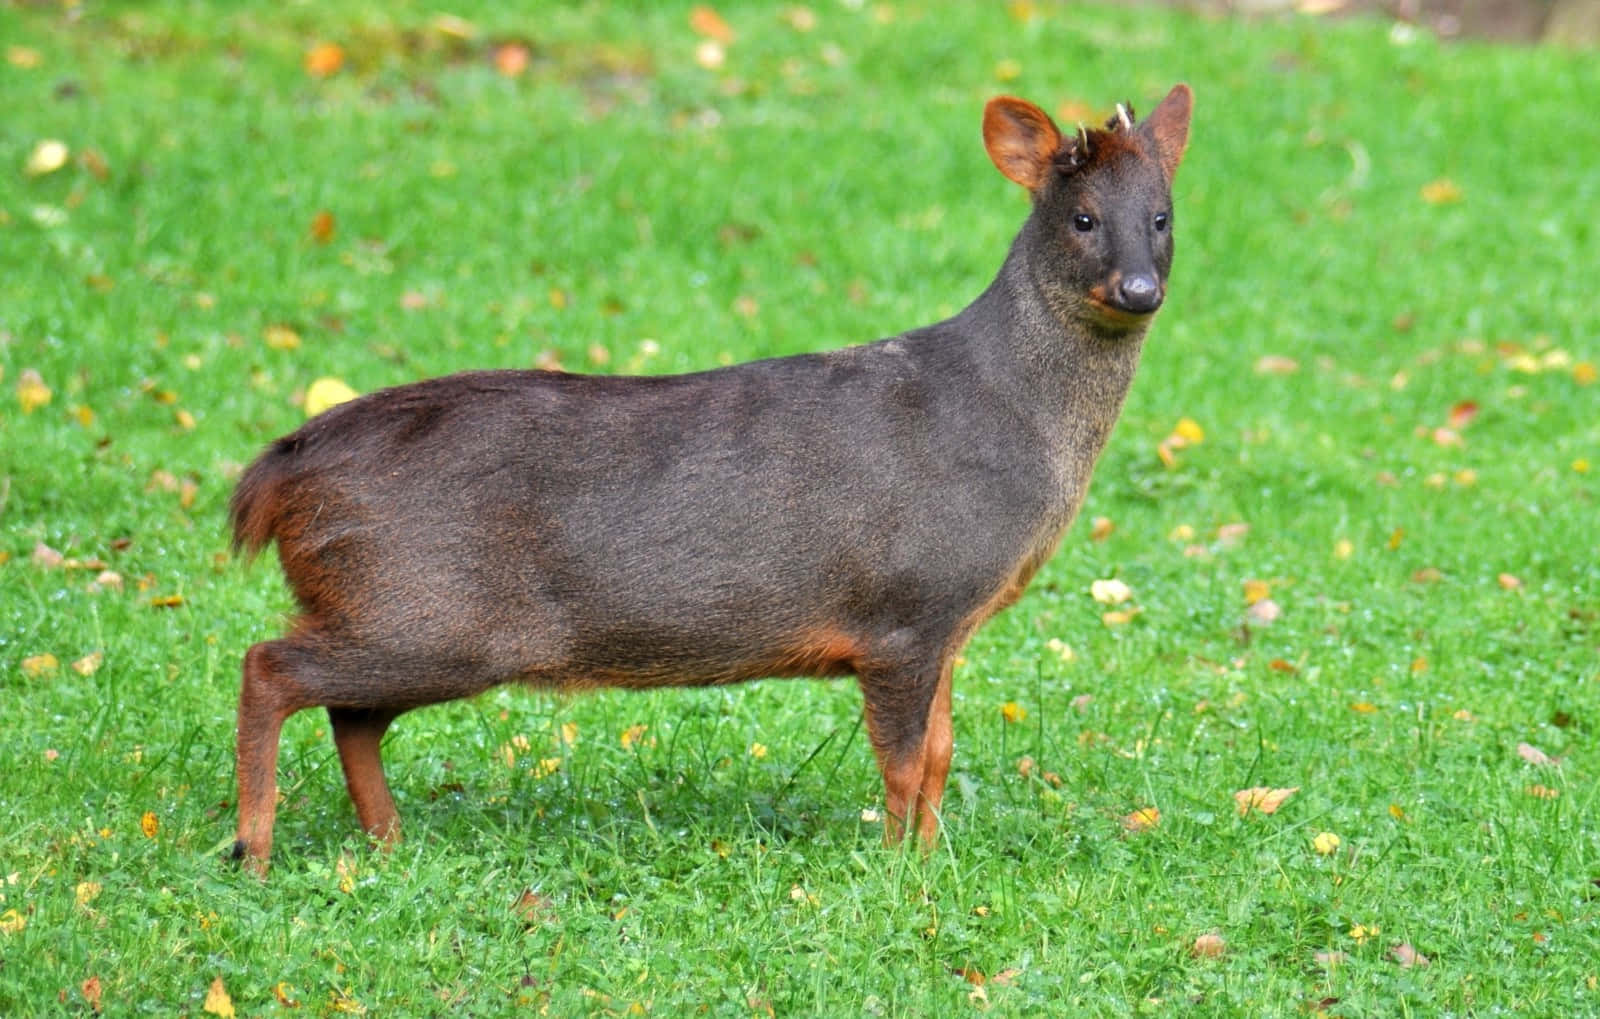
(1352,498)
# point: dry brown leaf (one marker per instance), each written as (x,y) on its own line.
(1542,792)
(91,992)
(1262,799)
(1462,414)
(1100,528)
(1508,581)
(149,824)
(1407,956)
(1264,612)
(1276,364)
(323,226)
(46,557)
(1208,946)
(511,59)
(1533,755)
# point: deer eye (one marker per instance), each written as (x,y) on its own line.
(1162,220)
(1083,222)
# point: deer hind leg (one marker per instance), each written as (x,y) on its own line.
(908,721)
(270,693)
(358,733)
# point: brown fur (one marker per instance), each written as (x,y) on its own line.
(859,512)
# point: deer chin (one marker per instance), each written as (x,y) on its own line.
(1109,318)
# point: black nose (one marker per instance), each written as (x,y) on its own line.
(1138,292)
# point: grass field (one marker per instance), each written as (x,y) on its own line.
(1369,571)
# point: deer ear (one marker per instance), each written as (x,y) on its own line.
(1021,140)
(1168,127)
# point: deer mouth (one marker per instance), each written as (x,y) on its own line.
(1112,315)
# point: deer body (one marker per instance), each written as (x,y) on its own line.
(857,512)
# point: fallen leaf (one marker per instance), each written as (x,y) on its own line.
(1256,590)
(1208,946)
(1120,617)
(710,55)
(1025,766)
(1407,956)
(282,991)
(167,601)
(1443,191)
(1326,843)
(758,750)
(327,392)
(1276,364)
(1100,528)
(48,156)
(91,992)
(1263,799)
(281,337)
(1189,431)
(1397,813)
(1533,755)
(632,735)
(1330,959)
(218,1001)
(1361,933)
(39,666)
(1143,819)
(24,57)
(1110,592)
(149,824)
(46,557)
(533,908)
(1509,582)
(511,59)
(1265,611)
(85,892)
(1232,534)
(1364,707)
(322,226)
(1011,711)
(1542,792)
(1396,536)
(1462,414)
(324,59)
(32,393)
(1062,649)
(1584,373)
(12,922)
(707,22)
(89,663)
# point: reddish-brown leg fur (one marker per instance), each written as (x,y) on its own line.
(266,698)
(358,734)
(913,743)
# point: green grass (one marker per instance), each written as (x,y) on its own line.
(824,187)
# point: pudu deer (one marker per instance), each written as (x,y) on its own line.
(857,512)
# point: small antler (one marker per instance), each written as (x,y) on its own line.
(1123,119)
(1083,139)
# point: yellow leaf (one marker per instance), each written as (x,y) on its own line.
(1256,590)
(282,990)
(1583,373)
(1189,431)
(281,337)
(1262,799)
(1325,843)
(1344,548)
(87,665)
(1142,819)
(1508,581)
(326,392)
(32,393)
(569,733)
(24,57)
(36,666)
(1011,711)
(1398,814)
(1110,592)
(48,156)
(1119,617)
(1543,792)
(12,922)
(758,750)
(85,892)
(1061,648)
(1396,536)
(149,824)
(185,419)
(1443,191)
(1361,933)
(633,734)
(1007,70)
(167,601)
(218,1001)
(1364,707)
(1100,528)
(1276,364)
